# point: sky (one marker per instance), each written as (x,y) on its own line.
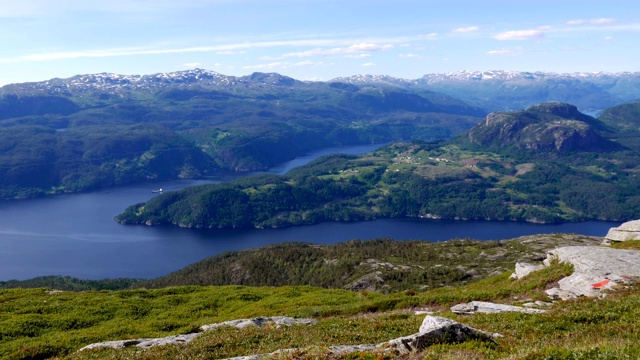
(315,40)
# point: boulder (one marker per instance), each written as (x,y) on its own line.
(487,307)
(627,231)
(435,329)
(595,269)
(524,269)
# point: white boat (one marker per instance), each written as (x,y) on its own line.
(157,190)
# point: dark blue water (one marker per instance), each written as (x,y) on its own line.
(76,235)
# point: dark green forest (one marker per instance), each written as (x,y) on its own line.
(454,179)
(69,138)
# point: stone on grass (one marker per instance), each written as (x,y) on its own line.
(186,338)
(487,307)
(143,343)
(260,322)
(436,329)
(524,269)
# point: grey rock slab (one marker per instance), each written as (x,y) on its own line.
(524,269)
(143,343)
(260,322)
(488,307)
(186,338)
(627,231)
(596,268)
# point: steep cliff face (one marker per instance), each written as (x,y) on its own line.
(549,126)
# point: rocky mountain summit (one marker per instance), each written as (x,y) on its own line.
(543,127)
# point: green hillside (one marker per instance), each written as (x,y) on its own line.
(574,170)
(101,130)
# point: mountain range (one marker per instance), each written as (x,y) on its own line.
(500,90)
(97,130)
(101,130)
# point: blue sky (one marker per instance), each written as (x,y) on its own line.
(315,40)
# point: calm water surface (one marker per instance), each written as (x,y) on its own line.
(76,235)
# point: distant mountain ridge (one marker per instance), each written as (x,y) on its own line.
(499,90)
(115,83)
(107,129)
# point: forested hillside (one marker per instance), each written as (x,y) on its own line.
(460,179)
(91,131)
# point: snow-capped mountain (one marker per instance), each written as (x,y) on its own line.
(509,90)
(125,85)
(493,90)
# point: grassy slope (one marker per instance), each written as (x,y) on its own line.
(36,324)
(381,265)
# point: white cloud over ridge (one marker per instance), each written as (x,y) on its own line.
(283,65)
(349,50)
(466,29)
(519,35)
(506,52)
(600,21)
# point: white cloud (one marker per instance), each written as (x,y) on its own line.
(283,65)
(499,52)
(193,64)
(466,29)
(430,36)
(358,56)
(600,21)
(519,35)
(348,51)
(220,49)
(369,64)
(510,52)
(369,47)
(407,56)
(229,52)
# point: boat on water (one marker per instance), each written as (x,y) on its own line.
(157,191)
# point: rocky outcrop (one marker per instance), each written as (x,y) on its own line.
(434,329)
(487,307)
(627,231)
(595,269)
(186,338)
(543,127)
(524,269)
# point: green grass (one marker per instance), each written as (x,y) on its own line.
(627,245)
(36,325)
